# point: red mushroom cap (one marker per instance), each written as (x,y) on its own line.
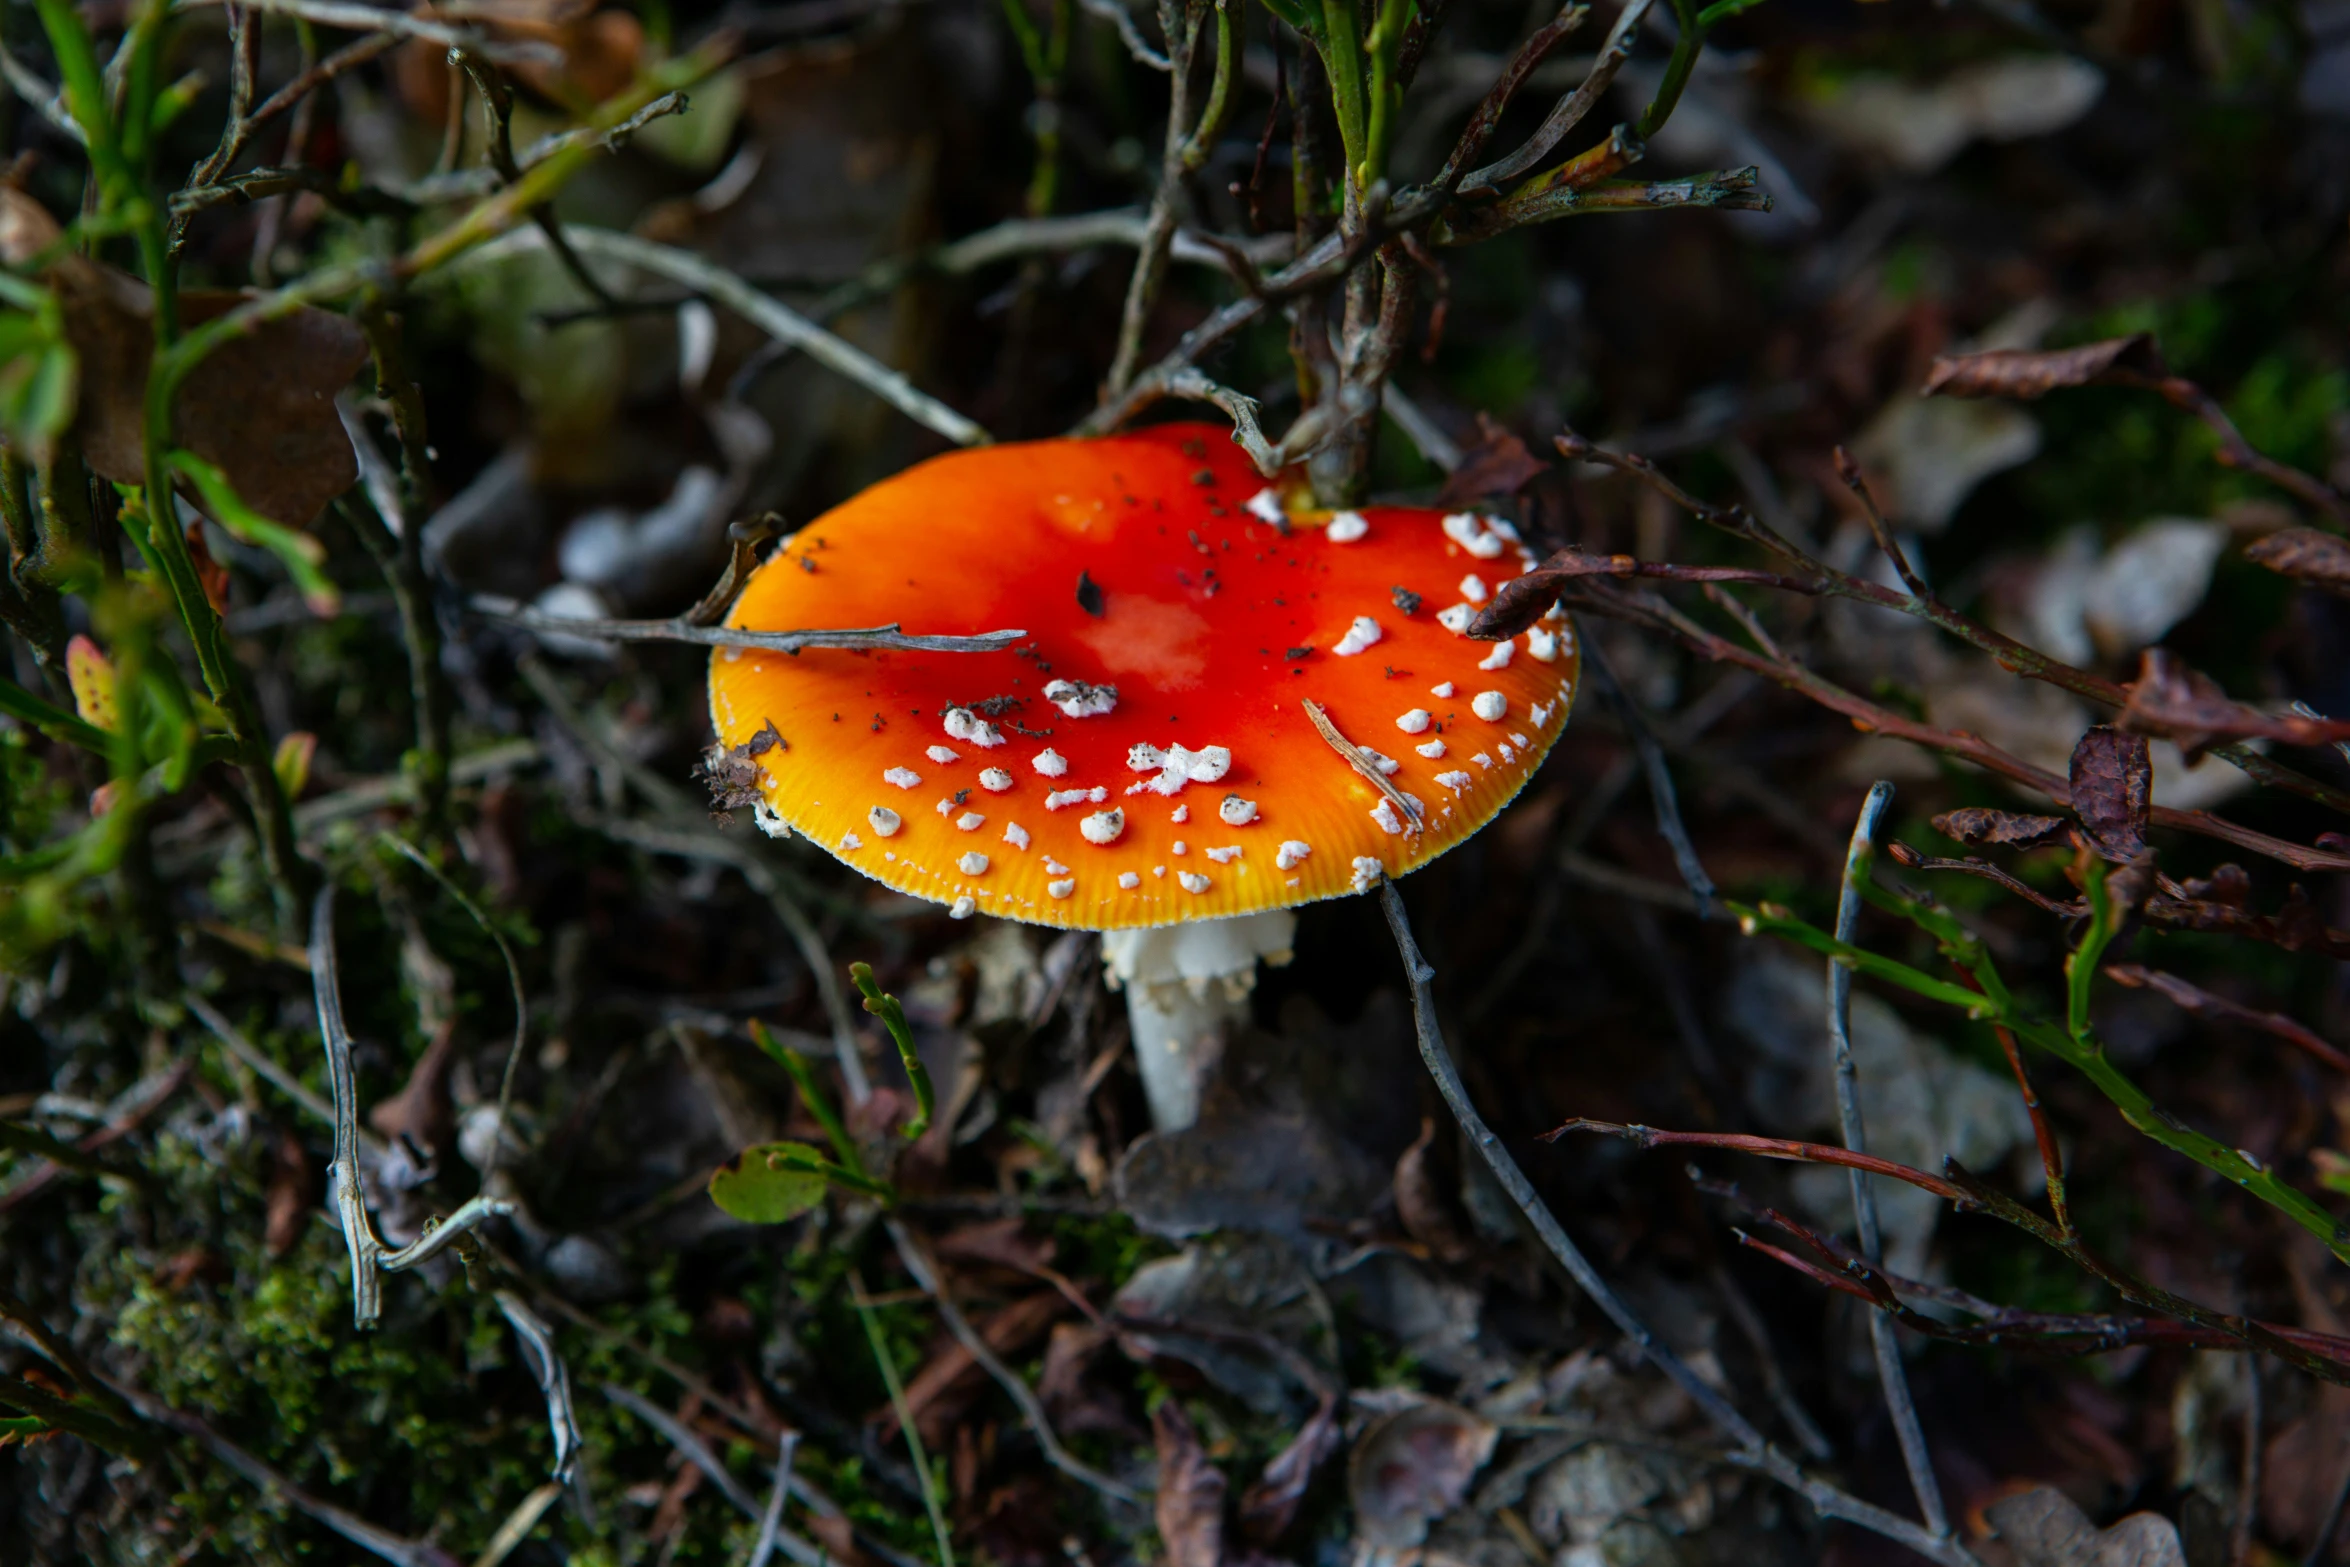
(1166,744)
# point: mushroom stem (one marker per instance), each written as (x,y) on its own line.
(1187,989)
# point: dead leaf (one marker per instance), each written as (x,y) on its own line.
(420,1112)
(289,1195)
(1413,1467)
(2045,1529)
(1499,464)
(2322,560)
(2168,698)
(1077,1403)
(2033,373)
(261,408)
(1978,826)
(2112,792)
(1189,1506)
(1269,1507)
(1420,1202)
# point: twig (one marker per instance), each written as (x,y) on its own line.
(862,638)
(380,1543)
(369,1258)
(1366,769)
(1752,1450)
(1438,447)
(683,1437)
(1247,434)
(771,1521)
(771,316)
(2202,1002)
(1031,1410)
(518,1524)
(2320,1549)
(46,101)
(1857,482)
(254,1057)
(547,1369)
(409,851)
(1655,613)
(355,18)
(351,56)
(2326,1356)
(1116,14)
(1890,1372)
(1660,780)
(1569,110)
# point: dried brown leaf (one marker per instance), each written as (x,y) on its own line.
(1420,1202)
(1981,826)
(2322,560)
(1523,600)
(261,408)
(2169,698)
(1499,464)
(2113,792)
(2044,1528)
(1412,1468)
(1269,1507)
(1189,1506)
(2032,373)
(288,1197)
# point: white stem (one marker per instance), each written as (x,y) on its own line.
(1186,993)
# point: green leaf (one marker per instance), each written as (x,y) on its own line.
(301,553)
(770,1183)
(55,722)
(40,376)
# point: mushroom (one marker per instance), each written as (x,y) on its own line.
(1228,705)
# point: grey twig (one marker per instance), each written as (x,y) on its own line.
(369,1257)
(546,1366)
(1240,409)
(1424,433)
(407,850)
(682,1437)
(1031,1409)
(1669,825)
(726,636)
(777,320)
(1116,14)
(46,101)
(1569,110)
(771,1521)
(380,1543)
(354,18)
(459,184)
(1890,1372)
(698,1453)
(1751,1450)
(254,1057)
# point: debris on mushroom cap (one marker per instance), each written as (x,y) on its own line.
(1190,682)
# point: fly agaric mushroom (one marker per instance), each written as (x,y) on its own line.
(1227,705)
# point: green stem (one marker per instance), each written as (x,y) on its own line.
(1340,41)
(1202,140)
(1677,69)
(420,629)
(812,1095)
(897,1403)
(893,1017)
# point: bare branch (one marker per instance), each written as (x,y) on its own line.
(1571,109)
(1890,1372)
(865,637)
(1751,1449)
(354,18)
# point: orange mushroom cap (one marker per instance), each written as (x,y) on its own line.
(1148,754)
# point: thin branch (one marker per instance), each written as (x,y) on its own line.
(1752,1450)
(46,101)
(771,316)
(351,56)
(860,638)
(547,1369)
(1571,109)
(1649,611)
(1365,768)
(1031,1408)
(354,18)
(369,1257)
(1482,124)
(2203,1003)
(380,1543)
(1116,14)
(771,1521)
(1661,792)
(1890,1373)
